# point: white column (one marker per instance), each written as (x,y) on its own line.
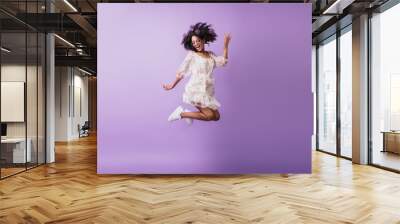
(50,93)
(360,90)
(50,110)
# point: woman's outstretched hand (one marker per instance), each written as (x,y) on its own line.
(227,39)
(168,86)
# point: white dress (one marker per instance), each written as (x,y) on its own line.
(199,90)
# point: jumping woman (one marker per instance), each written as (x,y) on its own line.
(199,64)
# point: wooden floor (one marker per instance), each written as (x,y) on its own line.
(70,191)
(5,172)
(386,159)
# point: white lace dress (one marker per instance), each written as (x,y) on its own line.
(199,90)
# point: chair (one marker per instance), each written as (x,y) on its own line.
(84,130)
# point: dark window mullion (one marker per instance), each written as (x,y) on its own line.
(37,90)
(338,92)
(26,86)
(369,94)
(317,96)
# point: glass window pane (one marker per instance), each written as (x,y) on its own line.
(14,153)
(346,94)
(32,95)
(385,93)
(327,96)
(22,90)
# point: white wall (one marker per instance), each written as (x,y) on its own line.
(9,73)
(71,93)
(62,81)
(80,84)
(12,73)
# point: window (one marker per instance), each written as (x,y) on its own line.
(327,95)
(385,89)
(346,92)
(22,78)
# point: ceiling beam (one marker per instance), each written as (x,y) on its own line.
(84,24)
(84,61)
(337,6)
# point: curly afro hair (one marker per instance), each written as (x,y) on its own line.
(203,31)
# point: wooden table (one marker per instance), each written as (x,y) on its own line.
(391,141)
(13,150)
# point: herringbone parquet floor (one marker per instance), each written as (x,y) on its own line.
(70,191)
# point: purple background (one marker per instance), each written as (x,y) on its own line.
(265,90)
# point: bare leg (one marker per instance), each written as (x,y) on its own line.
(204,114)
(194,115)
(199,115)
(213,115)
(217,116)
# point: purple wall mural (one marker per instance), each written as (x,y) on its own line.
(264,90)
